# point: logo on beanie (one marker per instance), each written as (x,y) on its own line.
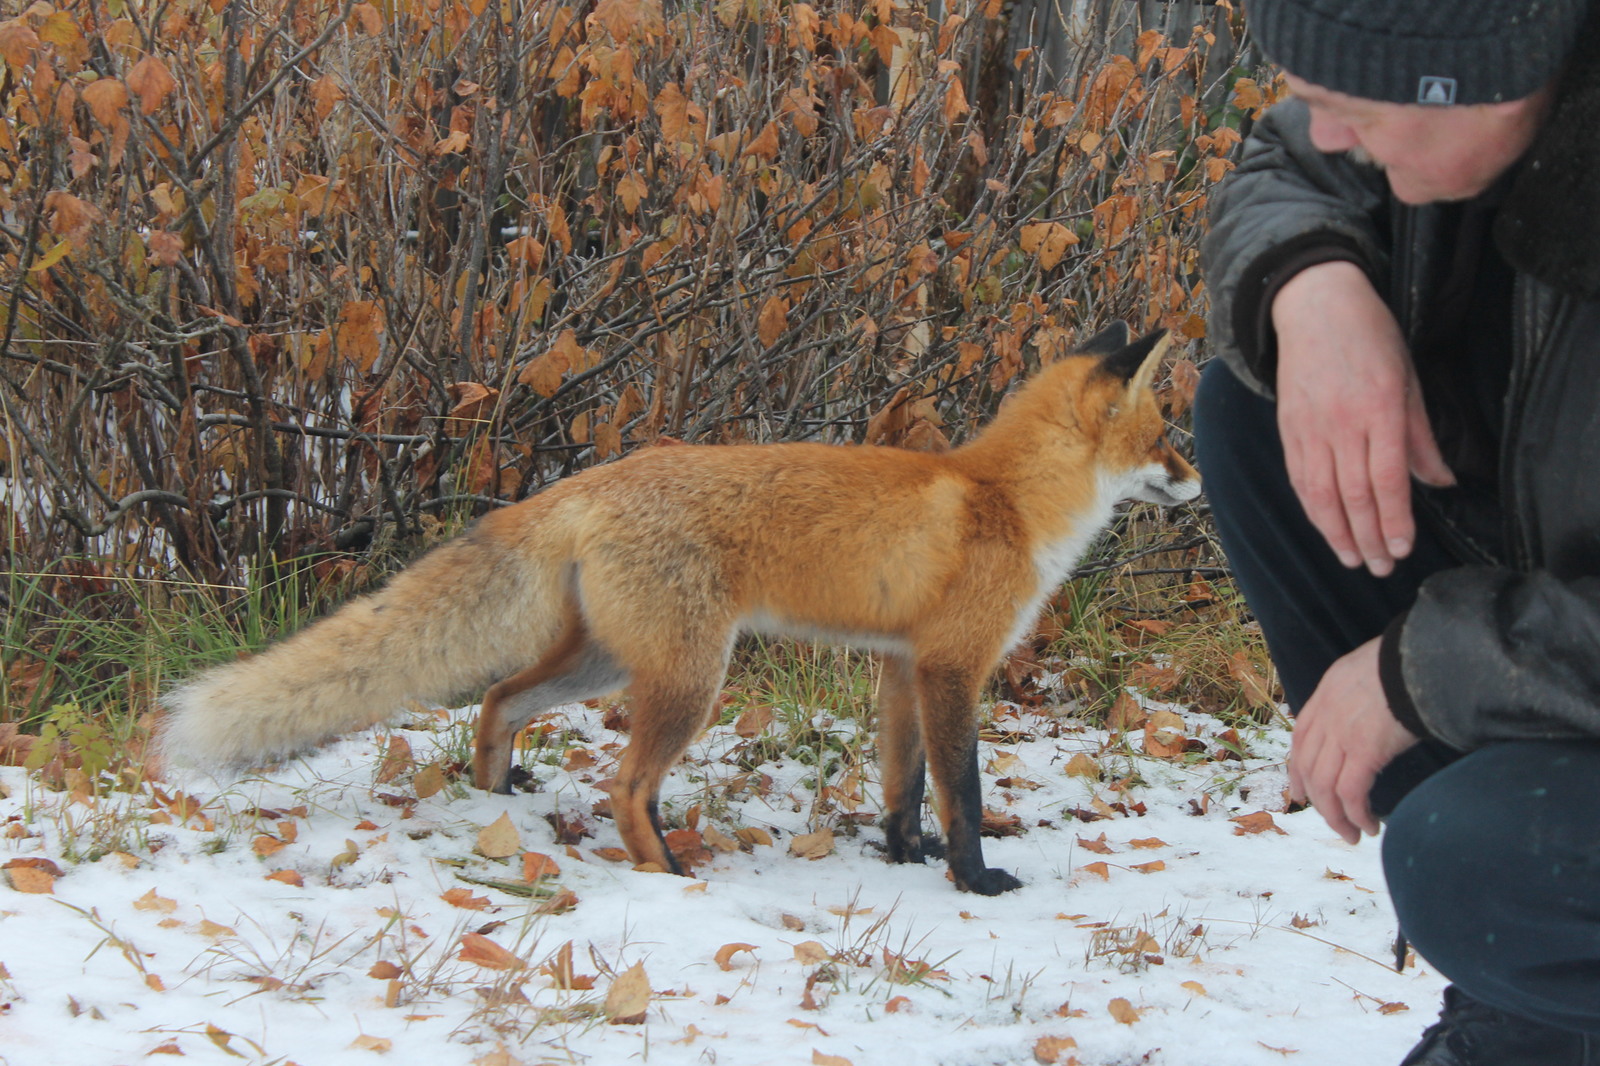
(1432,90)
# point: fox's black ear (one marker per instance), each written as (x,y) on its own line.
(1127,361)
(1112,339)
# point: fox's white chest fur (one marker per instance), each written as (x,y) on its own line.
(1055,560)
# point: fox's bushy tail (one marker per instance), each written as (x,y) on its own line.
(464,615)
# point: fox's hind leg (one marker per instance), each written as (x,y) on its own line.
(667,714)
(576,667)
(901,763)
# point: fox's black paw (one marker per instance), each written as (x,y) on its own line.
(917,849)
(991,882)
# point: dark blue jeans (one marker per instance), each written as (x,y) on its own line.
(1492,857)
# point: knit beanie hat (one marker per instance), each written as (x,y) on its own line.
(1420,51)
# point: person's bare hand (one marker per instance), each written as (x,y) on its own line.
(1344,735)
(1351,416)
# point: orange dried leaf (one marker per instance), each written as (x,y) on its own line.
(480,950)
(536,865)
(106,99)
(773,320)
(753,721)
(726,953)
(499,839)
(1258,822)
(1081,765)
(1123,1011)
(1047,241)
(152,902)
(1098,845)
(628,998)
(1164,735)
(812,845)
(151,82)
(1049,1049)
(31,880)
(463,898)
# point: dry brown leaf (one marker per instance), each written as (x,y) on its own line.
(1098,845)
(151,82)
(753,836)
(1147,842)
(1149,867)
(379,1044)
(773,320)
(31,880)
(152,902)
(1196,987)
(1258,822)
(560,903)
(719,840)
(349,855)
(753,721)
(215,930)
(1123,1011)
(1252,683)
(819,1059)
(106,99)
(1125,715)
(265,845)
(1392,1008)
(397,760)
(500,839)
(812,845)
(1049,1049)
(428,781)
(287,877)
(628,999)
(1164,735)
(1081,765)
(385,971)
(1099,869)
(536,865)
(1003,762)
(811,953)
(463,898)
(1047,241)
(726,953)
(479,949)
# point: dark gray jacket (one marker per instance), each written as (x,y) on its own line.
(1508,645)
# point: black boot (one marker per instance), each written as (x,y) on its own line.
(1469,1033)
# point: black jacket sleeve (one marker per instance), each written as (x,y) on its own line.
(1490,654)
(1286,207)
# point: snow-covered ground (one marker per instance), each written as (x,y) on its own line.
(316,916)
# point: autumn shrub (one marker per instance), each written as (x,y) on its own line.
(283,278)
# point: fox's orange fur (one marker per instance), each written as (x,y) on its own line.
(641,574)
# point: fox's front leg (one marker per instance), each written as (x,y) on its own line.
(900,760)
(949,698)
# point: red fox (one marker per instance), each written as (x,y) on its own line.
(640,574)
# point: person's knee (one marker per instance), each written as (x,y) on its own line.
(1487,848)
